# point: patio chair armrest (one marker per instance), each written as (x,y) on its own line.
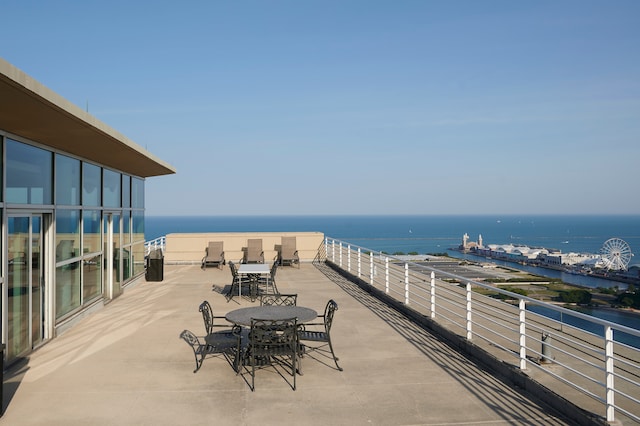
(311,324)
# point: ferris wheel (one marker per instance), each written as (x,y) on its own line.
(616,254)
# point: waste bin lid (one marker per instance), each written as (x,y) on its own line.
(156,254)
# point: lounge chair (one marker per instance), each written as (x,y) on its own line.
(289,252)
(254,253)
(214,255)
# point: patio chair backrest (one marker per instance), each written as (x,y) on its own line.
(254,250)
(207,316)
(214,249)
(273,337)
(329,312)
(278,299)
(288,247)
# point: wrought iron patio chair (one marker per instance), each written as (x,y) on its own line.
(208,318)
(269,284)
(227,345)
(320,339)
(289,252)
(236,281)
(273,343)
(214,255)
(278,299)
(254,252)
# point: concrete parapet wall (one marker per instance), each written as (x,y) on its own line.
(190,248)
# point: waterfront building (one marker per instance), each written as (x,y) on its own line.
(72,209)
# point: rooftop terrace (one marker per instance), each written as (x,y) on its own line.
(125,364)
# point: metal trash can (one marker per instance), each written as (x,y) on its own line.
(155,266)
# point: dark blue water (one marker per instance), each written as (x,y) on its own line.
(620,317)
(424,234)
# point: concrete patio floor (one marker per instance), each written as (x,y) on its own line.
(126,365)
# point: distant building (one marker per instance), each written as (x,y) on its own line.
(72,209)
(470,245)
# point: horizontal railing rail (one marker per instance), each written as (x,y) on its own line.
(587,360)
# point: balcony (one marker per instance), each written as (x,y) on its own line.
(125,364)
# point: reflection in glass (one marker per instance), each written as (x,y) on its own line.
(25,313)
(67,234)
(138,258)
(126,264)
(29,174)
(37,295)
(126,227)
(91,185)
(92,237)
(137,193)
(17,286)
(138,226)
(67,288)
(67,181)
(91,278)
(126,191)
(116,248)
(111,188)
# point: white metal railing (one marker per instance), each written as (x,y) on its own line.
(158,243)
(562,349)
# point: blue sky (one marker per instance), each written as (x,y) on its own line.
(355,107)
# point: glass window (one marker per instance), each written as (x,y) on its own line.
(138,226)
(29,174)
(91,235)
(91,278)
(126,191)
(67,288)
(111,188)
(126,227)
(67,181)
(138,258)
(91,185)
(67,234)
(137,193)
(1,185)
(126,263)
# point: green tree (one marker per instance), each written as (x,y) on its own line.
(576,296)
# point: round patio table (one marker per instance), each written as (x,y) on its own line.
(243,316)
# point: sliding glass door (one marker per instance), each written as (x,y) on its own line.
(25,283)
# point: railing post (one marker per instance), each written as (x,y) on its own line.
(371,267)
(608,353)
(406,283)
(359,262)
(433,294)
(523,334)
(386,275)
(469,316)
(546,351)
(326,248)
(340,256)
(349,258)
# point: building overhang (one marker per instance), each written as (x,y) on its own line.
(32,111)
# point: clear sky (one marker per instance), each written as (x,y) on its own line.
(355,107)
